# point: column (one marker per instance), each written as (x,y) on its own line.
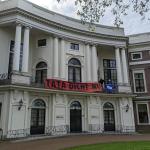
(56,65)
(25,61)
(124,66)
(88,62)
(94,64)
(118,65)
(17,47)
(62,64)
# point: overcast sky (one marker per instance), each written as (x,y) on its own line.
(132,23)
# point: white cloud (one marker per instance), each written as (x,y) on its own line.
(132,23)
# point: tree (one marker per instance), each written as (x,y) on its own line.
(93,10)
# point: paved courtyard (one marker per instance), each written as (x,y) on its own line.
(69,141)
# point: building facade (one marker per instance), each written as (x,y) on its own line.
(139,60)
(38,45)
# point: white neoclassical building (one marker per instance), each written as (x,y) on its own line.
(58,76)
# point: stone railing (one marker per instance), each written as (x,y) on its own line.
(99,128)
(64,130)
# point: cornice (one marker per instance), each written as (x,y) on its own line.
(59,26)
(139,44)
(50,91)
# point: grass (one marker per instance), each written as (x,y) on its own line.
(116,146)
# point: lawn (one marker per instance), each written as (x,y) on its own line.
(116,146)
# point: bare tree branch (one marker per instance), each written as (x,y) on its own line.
(93,10)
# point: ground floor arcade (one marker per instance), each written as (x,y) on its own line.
(34,111)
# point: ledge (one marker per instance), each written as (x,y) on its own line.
(50,91)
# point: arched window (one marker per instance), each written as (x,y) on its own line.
(109,117)
(74,70)
(41,72)
(38,104)
(75,105)
(108,106)
(38,113)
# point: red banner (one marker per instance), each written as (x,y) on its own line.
(71,86)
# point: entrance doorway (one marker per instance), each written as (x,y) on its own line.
(38,117)
(109,117)
(75,117)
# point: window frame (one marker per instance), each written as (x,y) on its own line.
(137,113)
(136,53)
(40,40)
(143,72)
(74,46)
(74,67)
(41,70)
(111,69)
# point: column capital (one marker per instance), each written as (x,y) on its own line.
(123,48)
(94,44)
(27,27)
(120,47)
(87,43)
(63,38)
(18,24)
(117,47)
(56,36)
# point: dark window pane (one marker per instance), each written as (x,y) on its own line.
(143,113)
(77,74)
(74,46)
(41,72)
(110,72)
(139,82)
(41,42)
(136,56)
(74,70)
(70,74)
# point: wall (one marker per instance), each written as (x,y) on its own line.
(39,54)
(4,100)
(80,55)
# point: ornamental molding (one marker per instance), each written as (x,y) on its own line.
(139,44)
(58,26)
(46,92)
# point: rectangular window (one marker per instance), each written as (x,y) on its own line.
(11,57)
(139,84)
(110,72)
(143,113)
(74,46)
(136,56)
(42,43)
